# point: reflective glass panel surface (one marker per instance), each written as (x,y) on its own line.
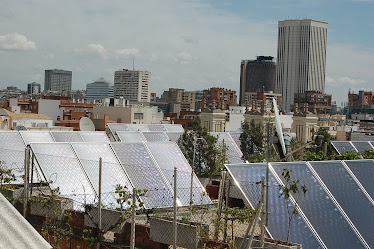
(130,136)
(232,152)
(112,172)
(167,156)
(247,175)
(349,196)
(364,172)
(319,209)
(138,127)
(152,136)
(174,127)
(94,136)
(36,136)
(60,166)
(66,136)
(343,146)
(144,174)
(156,127)
(361,146)
(174,136)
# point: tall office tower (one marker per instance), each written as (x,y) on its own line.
(301,64)
(256,75)
(58,80)
(33,88)
(99,89)
(132,85)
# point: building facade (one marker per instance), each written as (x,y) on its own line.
(180,96)
(33,88)
(317,101)
(301,64)
(218,97)
(58,80)
(362,99)
(132,85)
(99,89)
(257,75)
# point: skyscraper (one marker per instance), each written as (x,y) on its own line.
(99,89)
(58,80)
(301,64)
(257,75)
(33,88)
(132,85)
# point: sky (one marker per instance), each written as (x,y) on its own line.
(194,45)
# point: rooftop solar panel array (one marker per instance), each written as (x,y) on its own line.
(337,211)
(356,146)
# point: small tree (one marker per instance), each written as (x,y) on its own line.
(349,155)
(313,156)
(368,154)
(202,150)
(252,139)
(291,187)
(6,177)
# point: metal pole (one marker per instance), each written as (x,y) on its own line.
(262,213)
(99,213)
(133,210)
(260,210)
(175,210)
(220,200)
(26,180)
(32,173)
(227,188)
(192,172)
(267,174)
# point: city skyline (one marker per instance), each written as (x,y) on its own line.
(190,45)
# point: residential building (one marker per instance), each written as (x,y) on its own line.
(257,75)
(221,97)
(261,96)
(99,89)
(317,101)
(362,99)
(305,124)
(180,96)
(301,63)
(33,88)
(58,80)
(132,85)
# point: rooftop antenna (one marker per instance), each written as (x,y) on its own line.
(133,63)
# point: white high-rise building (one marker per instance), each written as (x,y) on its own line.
(58,80)
(132,85)
(301,64)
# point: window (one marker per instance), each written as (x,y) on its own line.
(138,115)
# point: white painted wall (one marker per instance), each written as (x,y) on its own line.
(50,108)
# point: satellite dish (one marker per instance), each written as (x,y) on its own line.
(278,126)
(20,128)
(86,124)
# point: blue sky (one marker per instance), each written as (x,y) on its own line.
(185,44)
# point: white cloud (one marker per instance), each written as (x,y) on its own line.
(16,42)
(99,49)
(126,52)
(36,77)
(183,58)
(343,81)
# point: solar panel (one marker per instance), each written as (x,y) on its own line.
(60,165)
(152,136)
(138,127)
(144,174)
(361,146)
(112,171)
(130,136)
(349,196)
(94,136)
(156,127)
(174,127)
(167,156)
(372,143)
(322,213)
(233,153)
(66,136)
(343,146)
(246,175)
(364,172)
(36,136)
(174,135)
(12,153)
(236,137)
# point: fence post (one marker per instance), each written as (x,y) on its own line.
(26,180)
(227,192)
(99,207)
(220,200)
(133,210)
(175,210)
(262,213)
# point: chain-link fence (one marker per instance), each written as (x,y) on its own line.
(65,206)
